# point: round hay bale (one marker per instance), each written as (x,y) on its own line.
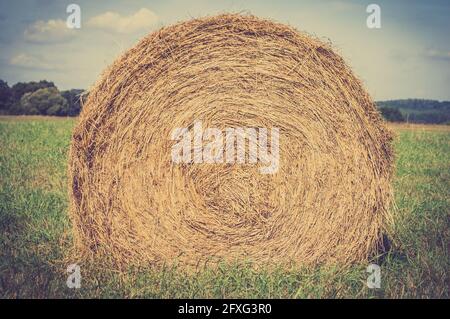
(326,203)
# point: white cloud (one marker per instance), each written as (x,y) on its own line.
(437,54)
(24,60)
(113,21)
(51,31)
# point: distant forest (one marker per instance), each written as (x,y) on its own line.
(44,98)
(416,111)
(39,98)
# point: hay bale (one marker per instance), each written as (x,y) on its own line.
(328,201)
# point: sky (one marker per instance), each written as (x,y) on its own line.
(407,57)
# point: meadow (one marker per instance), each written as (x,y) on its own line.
(36,239)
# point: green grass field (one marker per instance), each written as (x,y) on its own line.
(35,232)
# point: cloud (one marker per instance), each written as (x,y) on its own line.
(437,54)
(114,22)
(24,60)
(51,31)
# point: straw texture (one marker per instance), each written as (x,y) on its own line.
(328,202)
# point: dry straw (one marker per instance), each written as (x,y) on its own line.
(328,202)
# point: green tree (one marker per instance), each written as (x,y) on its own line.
(21,88)
(46,101)
(391,114)
(5,97)
(73,98)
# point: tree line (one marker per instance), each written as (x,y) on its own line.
(44,98)
(39,98)
(416,111)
